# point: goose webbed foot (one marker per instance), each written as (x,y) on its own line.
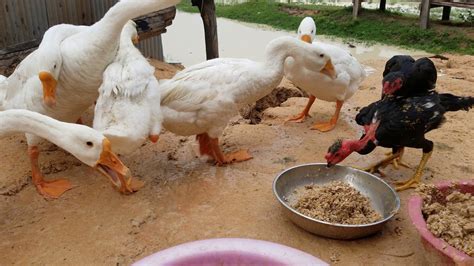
(50,189)
(331,124)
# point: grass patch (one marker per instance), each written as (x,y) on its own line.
(371,26)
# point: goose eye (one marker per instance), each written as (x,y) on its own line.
(90,144)
(312,31)
(54,66)
(321,55)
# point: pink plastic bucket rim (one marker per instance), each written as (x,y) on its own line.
(414,211)
(230,251)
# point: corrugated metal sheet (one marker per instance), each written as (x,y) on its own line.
(152,47)
(23,22)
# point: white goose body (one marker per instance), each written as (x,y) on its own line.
(128,111)
(84,57)
(350,73)
(203,98)
(88,53)
(23,88)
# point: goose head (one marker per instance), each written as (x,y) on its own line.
(50,62)
(307,30)
(93,149)
(129,32)
(317,59)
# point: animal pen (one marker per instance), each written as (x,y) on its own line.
(204,164)
(23,23)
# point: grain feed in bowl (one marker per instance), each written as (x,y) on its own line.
(335,202)
(450,217)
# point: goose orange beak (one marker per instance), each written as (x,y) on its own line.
(306,38)
(49,84)
(110,165)
(154,138)
(136,40)
(329,70)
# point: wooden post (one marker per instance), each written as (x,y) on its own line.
(446,13)
(425,14)
(382,5)
(208,15)
(356,4)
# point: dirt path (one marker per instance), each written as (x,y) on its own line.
(187,199)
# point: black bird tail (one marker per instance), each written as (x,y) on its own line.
(453,103)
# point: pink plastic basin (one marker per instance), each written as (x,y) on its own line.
(439,251)
(230,251)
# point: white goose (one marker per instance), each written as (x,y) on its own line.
(128,111)
(84,55)
(86,144)
(200,100)
(350,73)
(40,69)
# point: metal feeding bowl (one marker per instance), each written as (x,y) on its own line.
(383,198)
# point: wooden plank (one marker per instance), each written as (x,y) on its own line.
(155,23)
(14,26)
(86,13)
(21,21)
(7,9)
(3,25)
(19,47)
(52,7)
(37,19)
(426,5)
(425,14)
(453,4)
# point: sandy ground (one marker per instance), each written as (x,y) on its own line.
(186,198)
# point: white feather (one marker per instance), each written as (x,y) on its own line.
(350,73)
(84,55)
(128,108)
(204,97)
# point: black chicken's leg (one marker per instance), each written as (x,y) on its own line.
(397,162)
(416,178)
(375,168)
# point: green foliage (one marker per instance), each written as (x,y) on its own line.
(371,26)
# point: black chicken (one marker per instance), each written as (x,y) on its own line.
(396,122)
(403,76)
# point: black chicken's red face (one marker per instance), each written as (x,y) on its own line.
(392,83)
(337,153)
